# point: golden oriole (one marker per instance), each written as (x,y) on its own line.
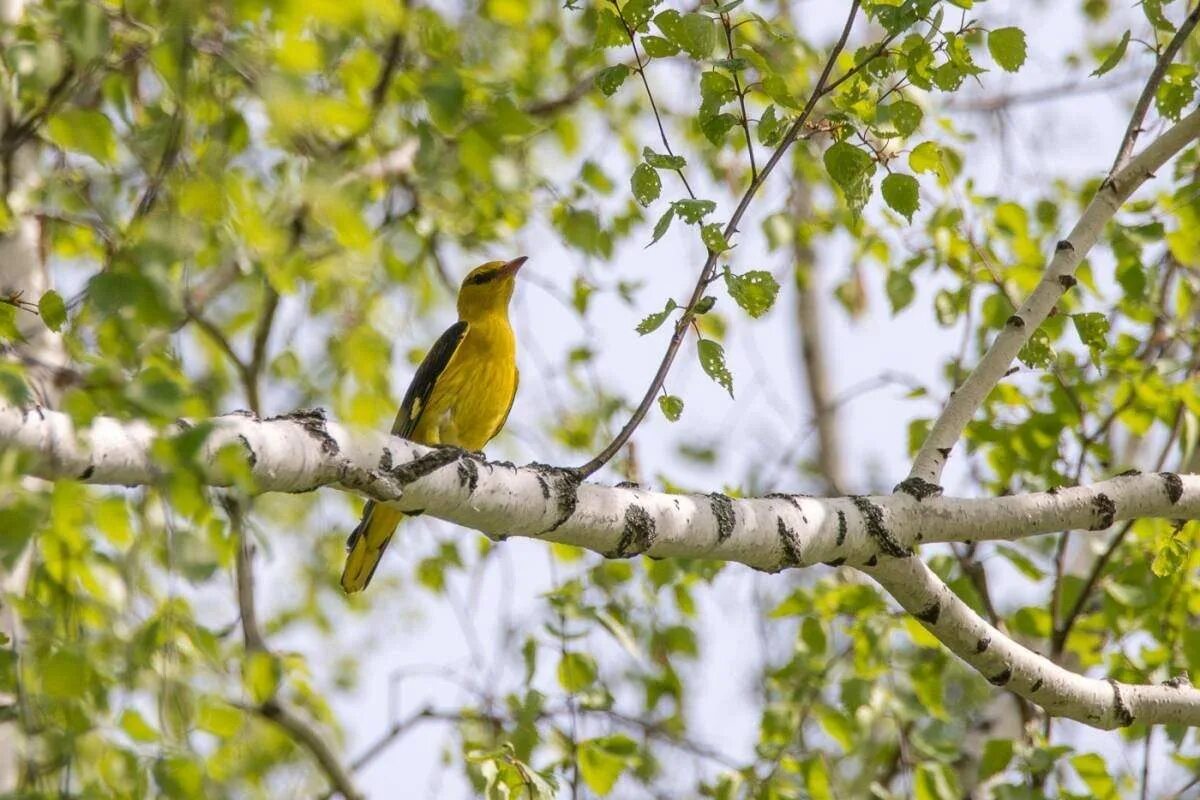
(460,395)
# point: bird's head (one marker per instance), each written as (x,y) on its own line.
(488,288)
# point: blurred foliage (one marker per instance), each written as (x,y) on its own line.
(255,204)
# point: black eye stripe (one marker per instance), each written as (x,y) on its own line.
(483,277)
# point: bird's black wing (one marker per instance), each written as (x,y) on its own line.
(416,399)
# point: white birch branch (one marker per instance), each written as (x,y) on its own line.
(1058,278)
(303,451)
(1104,704)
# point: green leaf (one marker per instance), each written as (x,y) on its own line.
(646,184)
(611,78)
(576,671)
(1093,771)
(851,169)
(261,675)
(601,761)
(714,238)
(1171,554)
(1037,352)
(934,781)
(84,131)
(638,12)
(692,211)
(1177,90)
(658,47)
(672,407)
(1114,57)
(1007,46)
(660,227)
(770,127)
(53,310)
(755,291)
(716,127)
(712,360)
(900,290)
(925,157)
(696,34)
(997,753)
(902,193)
(660,161)
(136,726)
(655,320)
(1092,328)
(905,117)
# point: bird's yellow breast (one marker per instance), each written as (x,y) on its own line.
(473,395)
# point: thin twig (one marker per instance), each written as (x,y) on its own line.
(737,85)
(821,89)
(1140,109)
(641,71)
(306,736)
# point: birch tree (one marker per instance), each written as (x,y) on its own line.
(228,230)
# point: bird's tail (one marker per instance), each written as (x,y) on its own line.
(366,544)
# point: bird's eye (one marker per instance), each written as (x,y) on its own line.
(482,277)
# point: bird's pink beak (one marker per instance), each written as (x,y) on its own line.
(512,266)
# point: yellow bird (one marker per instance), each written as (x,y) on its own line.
(461,395)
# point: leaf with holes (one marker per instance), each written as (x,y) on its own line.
(1092,327)
(755,291)
(851,169)
(1037,352)
(714,238)
(672,407)
(646,184)
(660,161)
(654,321)
(692,211)
(611,78)
(712,360)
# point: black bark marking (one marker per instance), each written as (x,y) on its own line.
(1001,679)
(944,452)
(791,498)
(841,534)
(385,460)
(251,456)
(468,474)
(983,644)
(918,488)
(1178,682)
(1053,490)
(1174,486)
(1105,510)
(1015,321)
(1067,282)
(873,516)
(242,412)
(1036,685)
(791,545)
(424,465)
(1129,473)
(1124,715)
(837,562)
(90,469)
(872,561)
(722,509)
(313,420)
(562,486)
(1063,244)
(629,485)
(183,424)
(929,615)
(638,535)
